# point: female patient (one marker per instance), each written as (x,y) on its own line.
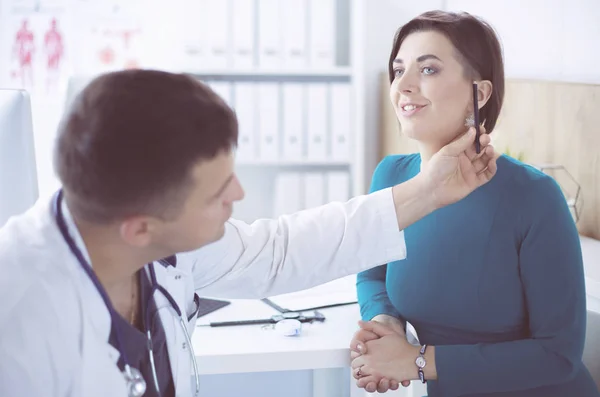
(494,284)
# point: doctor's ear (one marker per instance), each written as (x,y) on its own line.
(136,231)
(484,91)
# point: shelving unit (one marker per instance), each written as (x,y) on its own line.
(361,43)
(264,178)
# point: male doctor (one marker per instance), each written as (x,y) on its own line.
(98,282)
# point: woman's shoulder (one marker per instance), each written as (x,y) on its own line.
(395,169)
(398,163)
(534,188)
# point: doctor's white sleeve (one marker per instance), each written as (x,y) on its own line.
(298,251)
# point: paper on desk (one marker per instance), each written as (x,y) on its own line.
(341,291)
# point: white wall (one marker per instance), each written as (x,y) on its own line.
(544,39)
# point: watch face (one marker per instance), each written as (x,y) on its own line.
(420,361)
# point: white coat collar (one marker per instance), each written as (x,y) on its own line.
(93,306)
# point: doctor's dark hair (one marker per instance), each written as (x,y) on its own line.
(129,142)
(478,50)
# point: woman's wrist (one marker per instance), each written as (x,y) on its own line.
(410,369)
(394,322)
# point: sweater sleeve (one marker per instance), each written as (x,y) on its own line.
(554,291)
(370,284)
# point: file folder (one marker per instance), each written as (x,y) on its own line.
(293,120)
(268,121)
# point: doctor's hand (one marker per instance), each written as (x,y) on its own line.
(373,383)
(456,170)
(389,356)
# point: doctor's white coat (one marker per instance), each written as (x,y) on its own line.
(54,326)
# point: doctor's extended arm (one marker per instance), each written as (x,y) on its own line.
(370,284)
(311,247)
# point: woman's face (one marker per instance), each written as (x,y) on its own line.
(430,93)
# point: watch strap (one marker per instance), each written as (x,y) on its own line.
(421,373)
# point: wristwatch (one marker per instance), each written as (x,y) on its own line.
(421,363)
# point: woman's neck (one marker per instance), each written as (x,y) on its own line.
(427,151)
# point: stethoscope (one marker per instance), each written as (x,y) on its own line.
(136,385)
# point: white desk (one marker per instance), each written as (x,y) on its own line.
(321,347)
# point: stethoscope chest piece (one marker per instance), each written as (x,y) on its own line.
(136,386)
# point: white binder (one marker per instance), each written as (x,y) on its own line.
(341,125)
(293,120)
(195,40)
(338,186)
(314,189)
(270,48)
(317,121)
(244,33)
(322,33)
(288,193)
(295,33)
(268,121)
(245,100)
(217,17)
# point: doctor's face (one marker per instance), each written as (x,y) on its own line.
(431,93)
(207,208)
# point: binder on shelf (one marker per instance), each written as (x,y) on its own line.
(243,32)
(341,125)
(270,49)
(293,121)
(338,186)
(317,121)
(244,98)
(314,189)
(295,26)
(288,193)
(322,33)
(195,40)
(217,17)
(268,121)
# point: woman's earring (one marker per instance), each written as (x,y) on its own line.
(470,120)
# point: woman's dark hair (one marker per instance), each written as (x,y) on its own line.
(478,50)
(128,144)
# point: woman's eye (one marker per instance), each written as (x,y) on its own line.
(398,72)
(428,71)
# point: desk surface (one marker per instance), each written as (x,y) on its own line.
(251,348)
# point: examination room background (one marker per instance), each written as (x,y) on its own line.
(543,39)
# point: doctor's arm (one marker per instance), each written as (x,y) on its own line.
(370,284)
(311,247)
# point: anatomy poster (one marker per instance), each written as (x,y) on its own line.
(34,42)
(109,35)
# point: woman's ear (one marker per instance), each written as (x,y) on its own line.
(484,91)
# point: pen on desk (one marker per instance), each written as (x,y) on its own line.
(316,316)
(241,322)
